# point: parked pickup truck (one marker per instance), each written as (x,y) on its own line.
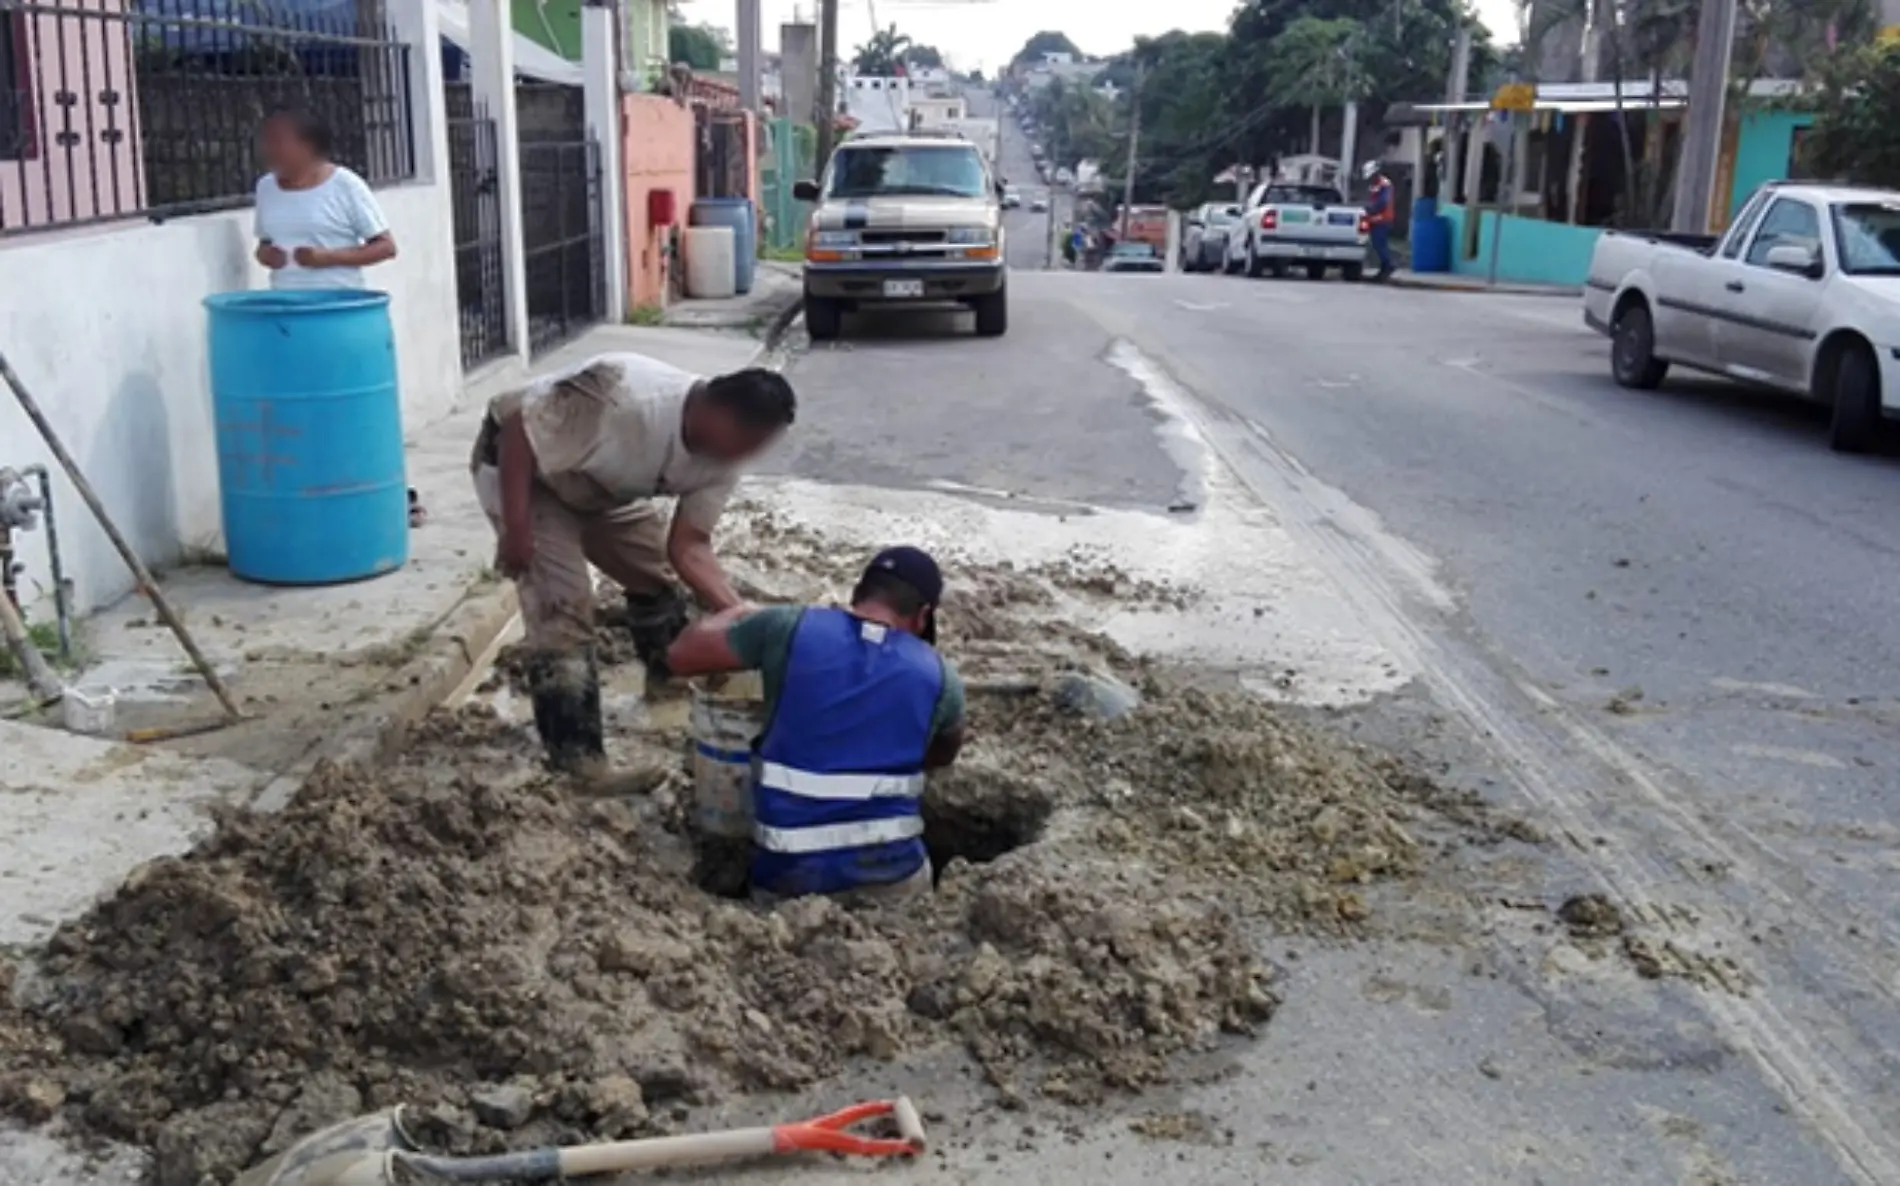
(1286,224)
(1802,294)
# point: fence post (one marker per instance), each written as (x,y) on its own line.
(492,59)
(600,67)
(417,24)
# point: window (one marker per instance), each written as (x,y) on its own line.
(1868,234)
(1788,223)
(16,107)
(1302,195)
(1738,230)
(952,171)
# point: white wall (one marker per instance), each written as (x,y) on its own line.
(106,328)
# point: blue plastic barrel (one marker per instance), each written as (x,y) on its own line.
(309,423)
(738,214)
(1431,237)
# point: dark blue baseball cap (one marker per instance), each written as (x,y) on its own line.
(917,569)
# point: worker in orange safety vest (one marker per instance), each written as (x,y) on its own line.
(1379,215)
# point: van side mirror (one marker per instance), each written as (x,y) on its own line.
(805,191)
(1791,257)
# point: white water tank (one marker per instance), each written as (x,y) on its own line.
(710,274)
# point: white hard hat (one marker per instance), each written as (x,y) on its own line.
(1369,170)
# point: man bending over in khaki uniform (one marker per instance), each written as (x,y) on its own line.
(567,470)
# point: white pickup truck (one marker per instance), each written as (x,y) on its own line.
(1801,295)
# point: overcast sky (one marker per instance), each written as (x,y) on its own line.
(976,33)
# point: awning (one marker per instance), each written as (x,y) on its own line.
(1568,106)
(532,59)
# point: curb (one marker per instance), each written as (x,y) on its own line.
(444,661)
(1397,280)
(781,323)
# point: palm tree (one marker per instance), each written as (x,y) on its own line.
(883,53)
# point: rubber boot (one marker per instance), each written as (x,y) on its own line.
(655,620)
(567,714)
(566,692)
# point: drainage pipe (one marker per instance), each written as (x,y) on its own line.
(62,593)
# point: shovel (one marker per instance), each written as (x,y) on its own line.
(376,1151)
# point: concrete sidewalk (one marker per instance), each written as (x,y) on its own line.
(336,673)
(1452,282)
(777,291)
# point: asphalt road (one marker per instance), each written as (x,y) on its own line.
(1664,623)
(1027,231)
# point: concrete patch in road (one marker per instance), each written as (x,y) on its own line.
(1263,614)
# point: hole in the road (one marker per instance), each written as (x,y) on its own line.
(976,815)
(980,814)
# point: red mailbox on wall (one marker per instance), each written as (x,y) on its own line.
(662,210)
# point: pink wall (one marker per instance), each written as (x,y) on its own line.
(657,153)
(98,173)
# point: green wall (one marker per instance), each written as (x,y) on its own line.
(555,25)
(1764,146)
(1533,251)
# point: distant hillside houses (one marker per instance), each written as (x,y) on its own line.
(1051,66)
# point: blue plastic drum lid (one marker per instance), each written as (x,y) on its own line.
(304,397)
(738,214)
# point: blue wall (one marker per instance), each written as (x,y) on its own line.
(1533,251)
(1763,145)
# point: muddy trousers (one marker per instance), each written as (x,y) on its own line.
(557,608)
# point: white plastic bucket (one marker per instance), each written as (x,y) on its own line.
(92,711)
(723,731)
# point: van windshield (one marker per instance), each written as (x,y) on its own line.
(950,170)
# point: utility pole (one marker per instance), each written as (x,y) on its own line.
(1134,146)
(827,82)
(748,17)
(1702,137)
(1455,88)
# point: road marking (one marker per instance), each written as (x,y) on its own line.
(1580,780)
(1193,307)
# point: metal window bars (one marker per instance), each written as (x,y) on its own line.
(117,109)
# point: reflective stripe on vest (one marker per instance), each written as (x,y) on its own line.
(856,787)
(837,802)
(834,837)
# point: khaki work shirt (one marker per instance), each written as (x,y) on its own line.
(608,433)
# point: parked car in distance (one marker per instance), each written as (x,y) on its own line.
(1039,205)
(1283,225)
(1802,295)
(904,220)
(1204,236)
(1132,257)
(1012,197)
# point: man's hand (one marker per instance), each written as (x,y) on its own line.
(271,256)
(514,552)
(313,257)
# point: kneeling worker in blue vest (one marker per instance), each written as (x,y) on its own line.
(859,705)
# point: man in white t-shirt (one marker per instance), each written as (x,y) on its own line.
(317,223)
(567,470)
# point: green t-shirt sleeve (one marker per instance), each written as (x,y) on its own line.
(760,638)
(949,714)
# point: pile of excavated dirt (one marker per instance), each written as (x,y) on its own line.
(463,931)
(537,966)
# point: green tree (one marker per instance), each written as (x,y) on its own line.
(1856,105)
(699,46)
(882,54)
(1046,42)
(924,57)
(1182,114)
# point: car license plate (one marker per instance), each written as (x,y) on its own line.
(903,288)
